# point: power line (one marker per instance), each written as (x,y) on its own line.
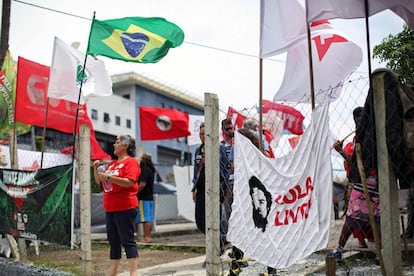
(186,42)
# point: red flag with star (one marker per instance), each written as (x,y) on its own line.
(162,123)
(334,58)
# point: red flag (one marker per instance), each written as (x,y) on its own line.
(236,117)
(162,123)
(31,99)
(292,118)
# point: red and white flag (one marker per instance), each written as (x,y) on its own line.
(162,123)
(334,58)
(291,117)
(236,117)
(329,9)
(31,100)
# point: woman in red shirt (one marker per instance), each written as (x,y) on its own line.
(121,202)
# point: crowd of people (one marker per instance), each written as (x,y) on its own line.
(130,201)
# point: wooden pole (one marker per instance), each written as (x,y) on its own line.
(377,238)
(390,226)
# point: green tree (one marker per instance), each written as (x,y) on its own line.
(398,53)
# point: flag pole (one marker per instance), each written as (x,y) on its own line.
(308,31)
(80,90)
(366,5)
(261,146)
(44,132)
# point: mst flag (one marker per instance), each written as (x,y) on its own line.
(162,123)
(295,192)
(136,39)
(328,9)
(334,58)
(66,75)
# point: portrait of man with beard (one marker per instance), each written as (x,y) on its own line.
(261,201)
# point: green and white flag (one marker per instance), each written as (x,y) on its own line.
(135,39)
(7,91)
(66,75)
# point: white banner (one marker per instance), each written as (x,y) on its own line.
(31,160)
(283,204)
(185,204)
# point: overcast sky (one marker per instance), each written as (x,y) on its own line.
(219,55)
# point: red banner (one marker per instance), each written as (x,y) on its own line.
(31,100)
(162,123)
(292,118)
(236,117)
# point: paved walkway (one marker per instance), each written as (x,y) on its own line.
(185,234)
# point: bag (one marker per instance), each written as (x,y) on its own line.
(406,93)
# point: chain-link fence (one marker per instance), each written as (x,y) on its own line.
(351,224)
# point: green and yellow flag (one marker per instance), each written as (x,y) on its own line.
(136,39)
(7,98)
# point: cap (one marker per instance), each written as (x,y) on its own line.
(146,156)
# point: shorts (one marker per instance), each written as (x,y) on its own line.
(145,211)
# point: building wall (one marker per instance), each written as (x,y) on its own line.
(128,96)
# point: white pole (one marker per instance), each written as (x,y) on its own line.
(85,198)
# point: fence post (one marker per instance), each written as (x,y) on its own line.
(390,225)
(212,163)
(85,199)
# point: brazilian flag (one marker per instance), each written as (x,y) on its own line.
(135,39)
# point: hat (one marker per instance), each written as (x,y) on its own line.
(146,156)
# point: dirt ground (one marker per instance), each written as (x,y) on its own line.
(70,260)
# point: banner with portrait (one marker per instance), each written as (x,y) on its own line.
(284,204)
(37,204)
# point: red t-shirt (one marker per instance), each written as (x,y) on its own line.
(121,198)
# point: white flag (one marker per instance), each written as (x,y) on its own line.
(328,9)
(282,24)
(295,192)
(334,58)
(66,73)
(194,127)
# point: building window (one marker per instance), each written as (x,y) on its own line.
(106,117)
(128,123)
(126,96)
(117,120)
(94,114)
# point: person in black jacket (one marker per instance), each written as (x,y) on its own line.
(146,196)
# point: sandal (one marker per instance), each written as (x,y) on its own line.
(146,241)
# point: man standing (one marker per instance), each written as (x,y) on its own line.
(146,196)
(227,192)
